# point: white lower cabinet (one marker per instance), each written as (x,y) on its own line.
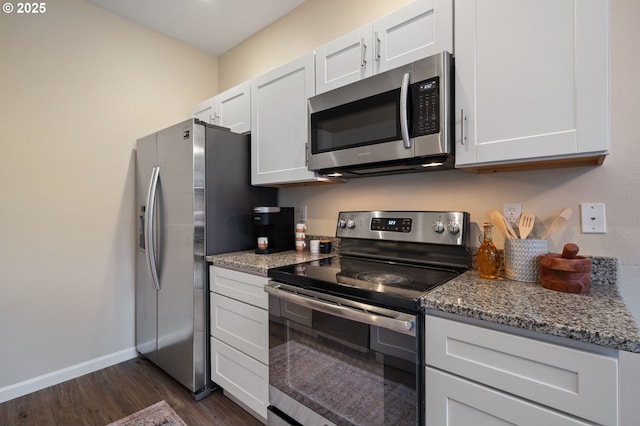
(481,376)
(239,323)
(241,376)
(454,401)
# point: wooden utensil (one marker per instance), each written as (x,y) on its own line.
(566,272)
(501,222)
(558,223)
(527,220)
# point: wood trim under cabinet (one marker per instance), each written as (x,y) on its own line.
(595,160)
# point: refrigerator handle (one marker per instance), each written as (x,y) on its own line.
(148,230)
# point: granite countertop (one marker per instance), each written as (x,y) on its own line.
(599,317)
(259,264)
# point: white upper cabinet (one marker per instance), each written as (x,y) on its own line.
(205,111)
(279,123)
(416,31)
(231,109)
(344,60)
(532,81)
(421,29)
(234,108)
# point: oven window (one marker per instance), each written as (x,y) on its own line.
(348,372)
(363,122)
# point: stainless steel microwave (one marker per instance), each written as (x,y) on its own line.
(397,121)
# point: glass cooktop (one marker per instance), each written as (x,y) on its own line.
(387,284)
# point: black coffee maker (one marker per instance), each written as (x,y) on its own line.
(274,229)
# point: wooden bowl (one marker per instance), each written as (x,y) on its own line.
(565,272)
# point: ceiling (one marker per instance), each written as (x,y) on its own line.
(214,26)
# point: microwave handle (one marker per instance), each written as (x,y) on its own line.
(404,118)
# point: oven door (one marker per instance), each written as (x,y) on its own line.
(333,361)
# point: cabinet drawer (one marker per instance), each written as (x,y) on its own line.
(242,326)
(241,376)
(574,381)
(453,401)
(241,286)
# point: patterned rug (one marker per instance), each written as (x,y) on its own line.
(158,414)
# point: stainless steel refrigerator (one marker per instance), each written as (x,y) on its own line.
(193,198)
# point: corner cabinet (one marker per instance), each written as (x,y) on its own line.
(279,123)
(531,82)
(421,29)
(231,109)
(476,375)
(239,322)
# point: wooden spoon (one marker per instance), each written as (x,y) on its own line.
(527,220)
(558,223)
(503,224)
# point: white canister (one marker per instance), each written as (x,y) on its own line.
(314,246)
(521,259)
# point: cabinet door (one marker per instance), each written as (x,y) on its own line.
(344,60)
(233,107)
(453,401)
(241,326)
(241,376)
(279,123)
(421,29)
(247,288)
(206,111)
(531,79)
(574,381)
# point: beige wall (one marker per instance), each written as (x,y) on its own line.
(308,26)
(542,192)
(78,86)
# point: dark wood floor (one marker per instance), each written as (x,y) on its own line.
(115,392)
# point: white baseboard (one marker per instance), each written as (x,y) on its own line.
(37,383)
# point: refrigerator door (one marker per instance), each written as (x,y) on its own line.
(146,294)
(181,304)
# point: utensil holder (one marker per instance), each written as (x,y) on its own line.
(521,259)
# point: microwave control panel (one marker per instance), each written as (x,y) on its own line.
(425,97)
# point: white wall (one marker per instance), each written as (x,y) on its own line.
(78,86)
(542,192)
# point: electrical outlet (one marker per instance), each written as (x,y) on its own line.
(593,218)
(512,212)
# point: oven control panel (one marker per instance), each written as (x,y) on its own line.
(433,227)
(391,224)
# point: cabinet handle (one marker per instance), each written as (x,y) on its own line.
(363,54)
(377,47)
(463,118)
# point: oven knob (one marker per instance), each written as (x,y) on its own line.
(438,227)
(453,227)
(342,223)
(351,224)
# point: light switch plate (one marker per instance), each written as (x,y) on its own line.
(593,218)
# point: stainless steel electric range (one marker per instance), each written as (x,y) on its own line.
(346,334)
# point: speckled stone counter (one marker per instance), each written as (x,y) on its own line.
(259,264)
(599,317)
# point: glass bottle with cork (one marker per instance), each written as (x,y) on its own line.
(488,257)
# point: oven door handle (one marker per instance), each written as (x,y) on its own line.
(399,322)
